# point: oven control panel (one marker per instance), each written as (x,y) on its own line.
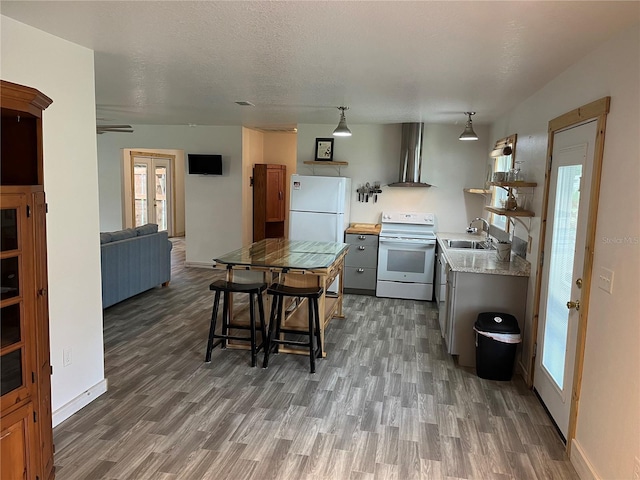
(413,218)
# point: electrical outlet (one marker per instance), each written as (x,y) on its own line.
(66,357)
(636,469)
(605,280)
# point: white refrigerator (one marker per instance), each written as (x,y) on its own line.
(319,208)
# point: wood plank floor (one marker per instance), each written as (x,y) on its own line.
(386,403)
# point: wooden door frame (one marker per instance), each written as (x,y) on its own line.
(596,110)
(172,160)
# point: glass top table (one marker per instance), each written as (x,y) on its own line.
(285,254)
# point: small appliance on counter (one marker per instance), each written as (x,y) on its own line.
(406,255)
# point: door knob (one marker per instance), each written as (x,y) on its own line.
(575,305)
(361,247)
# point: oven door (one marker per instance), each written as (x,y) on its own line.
(406,259)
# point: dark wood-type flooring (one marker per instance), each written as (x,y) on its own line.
(386,403)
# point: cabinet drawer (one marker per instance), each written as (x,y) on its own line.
(362,256)
(362,278)
(357,239)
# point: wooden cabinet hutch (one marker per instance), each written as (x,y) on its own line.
(26,438)
(268,201)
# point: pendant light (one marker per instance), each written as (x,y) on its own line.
(342,130)
(468,133)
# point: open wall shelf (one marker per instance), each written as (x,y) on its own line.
(320,163)
(510,213)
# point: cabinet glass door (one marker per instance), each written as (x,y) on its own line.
(13,336)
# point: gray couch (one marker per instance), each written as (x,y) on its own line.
(133,261)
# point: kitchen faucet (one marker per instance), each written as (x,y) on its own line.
(475,230)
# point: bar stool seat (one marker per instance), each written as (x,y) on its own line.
(228,288)
(279,292)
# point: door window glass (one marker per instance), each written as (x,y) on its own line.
(10,325)
(10,278)
(141,194)
(161,197)
(565,223)
(10,371)
(9,223)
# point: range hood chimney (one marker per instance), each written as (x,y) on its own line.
(411,156)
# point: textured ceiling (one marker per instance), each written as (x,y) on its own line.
(181,62)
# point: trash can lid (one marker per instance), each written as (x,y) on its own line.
(497,322)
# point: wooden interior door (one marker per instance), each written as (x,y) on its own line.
(269,207)
(275,194)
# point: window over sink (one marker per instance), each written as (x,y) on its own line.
(503,160)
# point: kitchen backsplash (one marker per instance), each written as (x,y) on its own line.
(518,245)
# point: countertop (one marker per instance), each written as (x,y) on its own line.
(364,228)
(480,261)
(282,253)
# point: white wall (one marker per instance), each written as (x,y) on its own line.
(252,153)
(608,430)
(373,153)
(111,189)
(213,205)
(64,72)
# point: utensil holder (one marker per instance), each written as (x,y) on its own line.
(503,251)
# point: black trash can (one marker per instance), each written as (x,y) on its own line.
(497,338)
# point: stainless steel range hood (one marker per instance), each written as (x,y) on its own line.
(411,156)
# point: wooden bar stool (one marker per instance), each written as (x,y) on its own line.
(254,290)
(279,292)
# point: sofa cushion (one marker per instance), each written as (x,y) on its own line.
(147,229)
(123,234)
(105,237)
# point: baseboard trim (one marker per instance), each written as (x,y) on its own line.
(523,371)
(581,463)
(198,264)
(78,403)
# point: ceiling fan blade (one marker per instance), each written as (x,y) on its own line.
(100,129)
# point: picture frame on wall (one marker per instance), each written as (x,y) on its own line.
(324,149)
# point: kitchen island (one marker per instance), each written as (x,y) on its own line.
(472,281)
(296,263)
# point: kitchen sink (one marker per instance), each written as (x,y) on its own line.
(472,244)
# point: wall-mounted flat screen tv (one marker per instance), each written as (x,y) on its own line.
(203,164)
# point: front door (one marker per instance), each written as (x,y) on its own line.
(152,192)
(563,266)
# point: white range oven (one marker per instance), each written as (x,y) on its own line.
(406,255)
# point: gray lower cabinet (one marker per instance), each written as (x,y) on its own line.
(360,264)
(469,294)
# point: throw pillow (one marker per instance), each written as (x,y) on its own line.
(147,229)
